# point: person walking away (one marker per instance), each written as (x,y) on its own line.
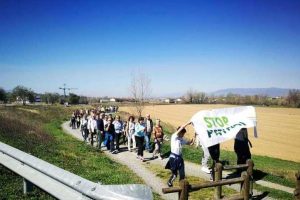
(241,147)
(149,129)
(109,130)
(205,156)
(119,131)
(100,130)
(130,133)
(158,135)
(176,162)
(139,137)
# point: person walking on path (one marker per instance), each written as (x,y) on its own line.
(158,135)
(100,130)
(84,128)
(109,130)
(92,126)
(139,137)
(119,131)
(206,155)
(241,147)
(214,152)
(73,121)
(130,133)
(176,162)
(149,129)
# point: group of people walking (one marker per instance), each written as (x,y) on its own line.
(137,134)
(109,131)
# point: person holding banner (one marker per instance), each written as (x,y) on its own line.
(214,152)
(241,146)
(176,162)
(206,155)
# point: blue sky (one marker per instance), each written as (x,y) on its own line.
(95,45)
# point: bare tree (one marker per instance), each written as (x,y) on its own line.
(293,98)
(140,90)
(189,97)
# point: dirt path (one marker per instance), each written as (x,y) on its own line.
(129,159)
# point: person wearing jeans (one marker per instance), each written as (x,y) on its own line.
(176,163)
(139,137)
(109,130)
(149,129)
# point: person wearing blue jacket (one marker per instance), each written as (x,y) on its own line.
(139,137)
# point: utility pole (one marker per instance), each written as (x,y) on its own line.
(64,88)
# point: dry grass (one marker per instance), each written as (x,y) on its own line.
(278,128)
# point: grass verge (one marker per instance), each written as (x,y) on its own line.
(207,193)
(39,133)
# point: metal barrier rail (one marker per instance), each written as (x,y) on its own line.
(63,184)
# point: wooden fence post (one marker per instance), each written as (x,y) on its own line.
(246,185)
(184,194)
(218,176)
(250,173)
(297,190)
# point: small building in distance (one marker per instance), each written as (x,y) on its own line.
(168,100)
(179,100)
(113,100)
(104,100)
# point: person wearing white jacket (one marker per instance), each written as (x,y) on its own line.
(130,133)
(92,126)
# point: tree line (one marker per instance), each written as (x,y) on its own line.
(291,100)
(23,94)
(140,92)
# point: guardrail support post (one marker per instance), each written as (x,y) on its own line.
(246,185)
(184,194)
(218,177)
(297,190)
(27,186)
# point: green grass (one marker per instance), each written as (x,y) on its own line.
(276,194)
(40,134)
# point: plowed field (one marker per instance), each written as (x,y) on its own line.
(278,128)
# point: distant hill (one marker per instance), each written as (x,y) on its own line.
(271,92)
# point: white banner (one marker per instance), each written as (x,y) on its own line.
(219,125)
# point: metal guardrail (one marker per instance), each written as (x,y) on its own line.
(63,184)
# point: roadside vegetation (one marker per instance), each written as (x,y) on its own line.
(37,130)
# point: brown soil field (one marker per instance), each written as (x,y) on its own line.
(278,128)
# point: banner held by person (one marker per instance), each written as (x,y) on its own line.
(219,125)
